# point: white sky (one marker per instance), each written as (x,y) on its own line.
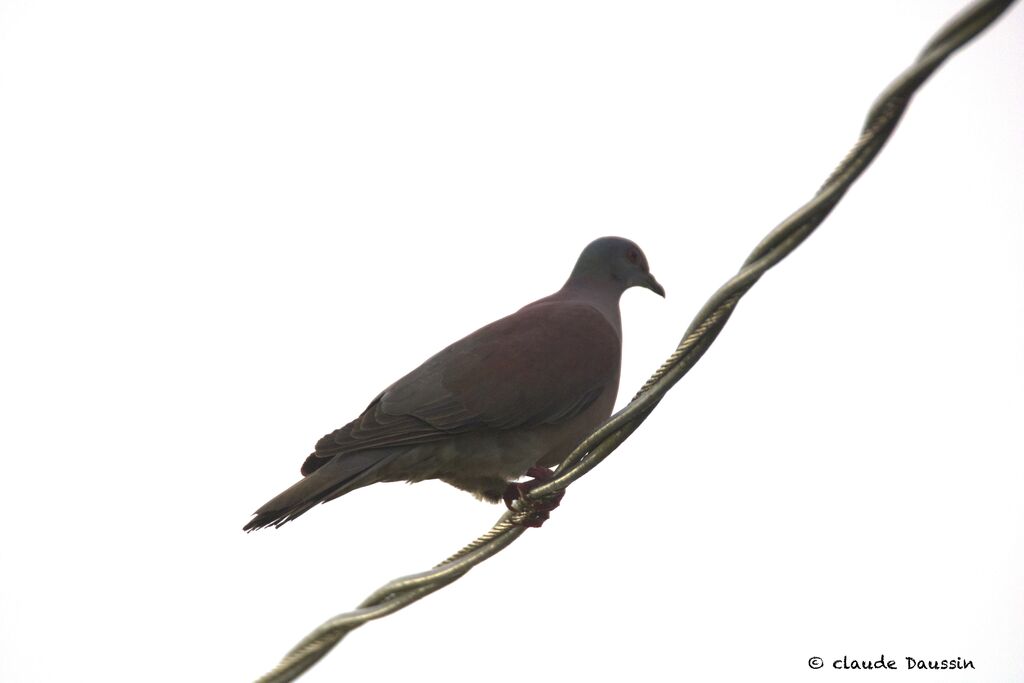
(228,225)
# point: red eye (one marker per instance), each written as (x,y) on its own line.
(633,256)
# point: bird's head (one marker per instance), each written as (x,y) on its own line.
(617,262)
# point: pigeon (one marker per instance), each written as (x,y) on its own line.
(511,399)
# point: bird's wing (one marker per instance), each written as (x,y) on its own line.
(542,365)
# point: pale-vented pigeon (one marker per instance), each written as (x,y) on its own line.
(512,398)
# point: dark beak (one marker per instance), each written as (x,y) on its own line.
(653,285)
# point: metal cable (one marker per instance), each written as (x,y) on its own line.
(787,236)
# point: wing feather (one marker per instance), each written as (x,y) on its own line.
(544,364)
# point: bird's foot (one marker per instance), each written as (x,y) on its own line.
(537,511)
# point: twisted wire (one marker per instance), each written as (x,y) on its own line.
(881,121)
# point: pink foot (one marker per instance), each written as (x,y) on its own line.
(540,510)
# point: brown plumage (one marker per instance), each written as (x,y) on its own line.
(519,392)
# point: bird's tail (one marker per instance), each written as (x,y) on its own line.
(337,477)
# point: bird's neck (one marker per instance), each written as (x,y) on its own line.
(602,294)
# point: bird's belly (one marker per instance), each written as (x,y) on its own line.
(502,455)
(481,462)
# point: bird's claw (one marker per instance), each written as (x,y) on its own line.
(536,511)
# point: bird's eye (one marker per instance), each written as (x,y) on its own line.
(633,256)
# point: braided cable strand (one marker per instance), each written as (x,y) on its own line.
(882,119)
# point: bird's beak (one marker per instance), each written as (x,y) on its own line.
(653,285)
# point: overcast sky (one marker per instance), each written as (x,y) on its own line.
(227,225)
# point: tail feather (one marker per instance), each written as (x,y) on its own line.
(335,478)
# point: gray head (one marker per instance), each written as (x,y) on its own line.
(616,262)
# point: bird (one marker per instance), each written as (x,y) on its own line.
(511,399)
